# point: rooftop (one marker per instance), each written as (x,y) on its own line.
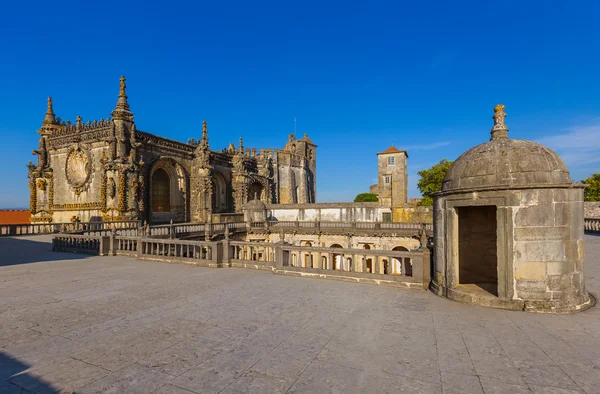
(93,324)
(392,149)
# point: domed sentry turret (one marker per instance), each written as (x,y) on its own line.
(508,228)
(255,211)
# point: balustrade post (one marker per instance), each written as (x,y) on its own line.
(226,252)
(216,251)
(423,273)
(278,256)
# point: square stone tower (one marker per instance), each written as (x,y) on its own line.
(392,185)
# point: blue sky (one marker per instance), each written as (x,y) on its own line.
(357,76)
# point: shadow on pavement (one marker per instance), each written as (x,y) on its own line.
(14,380)
(15,251)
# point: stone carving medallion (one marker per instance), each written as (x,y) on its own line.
(78,168)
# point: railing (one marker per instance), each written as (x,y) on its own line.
(591,225)
(124,245)
(189,228)
(131,232)
(398,268)
(411,227)
(196,252)
(361,265)
(81,244)
(51,228)
(243,254)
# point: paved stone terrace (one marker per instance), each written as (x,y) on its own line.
(117,325)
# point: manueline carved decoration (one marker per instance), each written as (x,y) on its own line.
(134,191)
(103,205)
(51,193)
(32,197)
(83,206)
(142,193)
(111,188)
(78,169)
(42,219)
(122,192)
(41,184)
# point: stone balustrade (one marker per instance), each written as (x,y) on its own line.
(51,228)
(259,255)
(88,244)
(387,267)
(404,228)
(591,225)
(130,228)
(396,268)
(172,250)
(123,245)
(173,230)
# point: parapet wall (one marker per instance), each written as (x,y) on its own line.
(412,214)
(348,212)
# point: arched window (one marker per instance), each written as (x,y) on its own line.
(161,191)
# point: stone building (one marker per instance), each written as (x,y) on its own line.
(508,228)
(392,186)
(110,170)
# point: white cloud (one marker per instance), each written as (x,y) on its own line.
(435,145)
(578,146)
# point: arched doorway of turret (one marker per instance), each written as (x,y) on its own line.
(168,192)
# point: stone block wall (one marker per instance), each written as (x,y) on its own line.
(548,248)
(591,209)
(540,251)
(348,212)
(412,214)
(327,212)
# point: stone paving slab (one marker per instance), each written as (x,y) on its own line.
(75,323)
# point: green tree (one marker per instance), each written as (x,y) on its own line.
(431,181)
(592,192)
(366,197)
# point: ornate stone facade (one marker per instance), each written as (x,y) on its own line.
(109,170)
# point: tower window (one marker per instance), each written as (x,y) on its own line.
(387,179)
(391,161)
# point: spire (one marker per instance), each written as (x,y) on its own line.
(204,140)
(500,130)
(241,150)
(50,118)
(122,87)
(122,101)
(122,109)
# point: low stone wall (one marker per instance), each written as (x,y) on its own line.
(327,212)
(227,217)
(591,209)
(412,214)
(382,267)
(50,228)
(348,212)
